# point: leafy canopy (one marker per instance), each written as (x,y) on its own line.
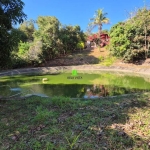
(99,19)
(10,13)
(130,39)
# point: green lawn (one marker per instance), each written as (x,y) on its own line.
(62,124)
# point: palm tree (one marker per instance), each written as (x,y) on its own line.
(98,20)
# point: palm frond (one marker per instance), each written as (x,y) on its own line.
(98,19)
(92,19)
(91,26)
(106,21)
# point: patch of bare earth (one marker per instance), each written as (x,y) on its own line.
(96,52)
(91,56)
(83,57)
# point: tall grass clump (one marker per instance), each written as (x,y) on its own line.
(61,101)
(42,114)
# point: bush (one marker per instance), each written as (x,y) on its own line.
(130,39)
(34,55)
(29,53)
(80,45)
(23,48)
(108,61)
(119,42)
(17,62)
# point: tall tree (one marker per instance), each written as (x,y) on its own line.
(142,18)
(47,33)
(10,13)
(16,36)
(70,36)
(130,39)
(28,28)
(98,20)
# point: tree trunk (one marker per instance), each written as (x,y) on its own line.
(148,48)
(146,51)
(100,29)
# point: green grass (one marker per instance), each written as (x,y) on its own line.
(63,124)
(107,61)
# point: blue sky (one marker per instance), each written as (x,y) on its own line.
(78,12)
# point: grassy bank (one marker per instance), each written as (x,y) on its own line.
(63,124)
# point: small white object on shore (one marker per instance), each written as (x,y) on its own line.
(44,79)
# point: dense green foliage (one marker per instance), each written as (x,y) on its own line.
(23,48)
(17,36)
(71,36)
(130,39)
(28,29)
(29,46)
(10,13)
(47,33)
(49,41)
(80,45)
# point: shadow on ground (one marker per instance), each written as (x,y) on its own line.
(60,123)
(76,58)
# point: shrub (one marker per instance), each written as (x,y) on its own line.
(130,39)
(108,61)
(23,48)
(80,45)
(17,62)
(34,55)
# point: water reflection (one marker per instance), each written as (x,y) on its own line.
(75,90)
(96,91)
(91,86)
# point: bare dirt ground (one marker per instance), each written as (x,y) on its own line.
(96,52)
(91,56)
(105,53)
(83,57)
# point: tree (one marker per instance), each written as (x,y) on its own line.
(70,36)
(23,48)
(98,20)
(142,18)
(10,13)
(119,42)
(130,39)
(16,36)
(28,28)
(34,53)
(80,45)
(47,33)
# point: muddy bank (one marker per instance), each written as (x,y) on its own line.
(143,71)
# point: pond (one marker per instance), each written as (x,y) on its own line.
(74,85)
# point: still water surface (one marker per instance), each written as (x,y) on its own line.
(83,85)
